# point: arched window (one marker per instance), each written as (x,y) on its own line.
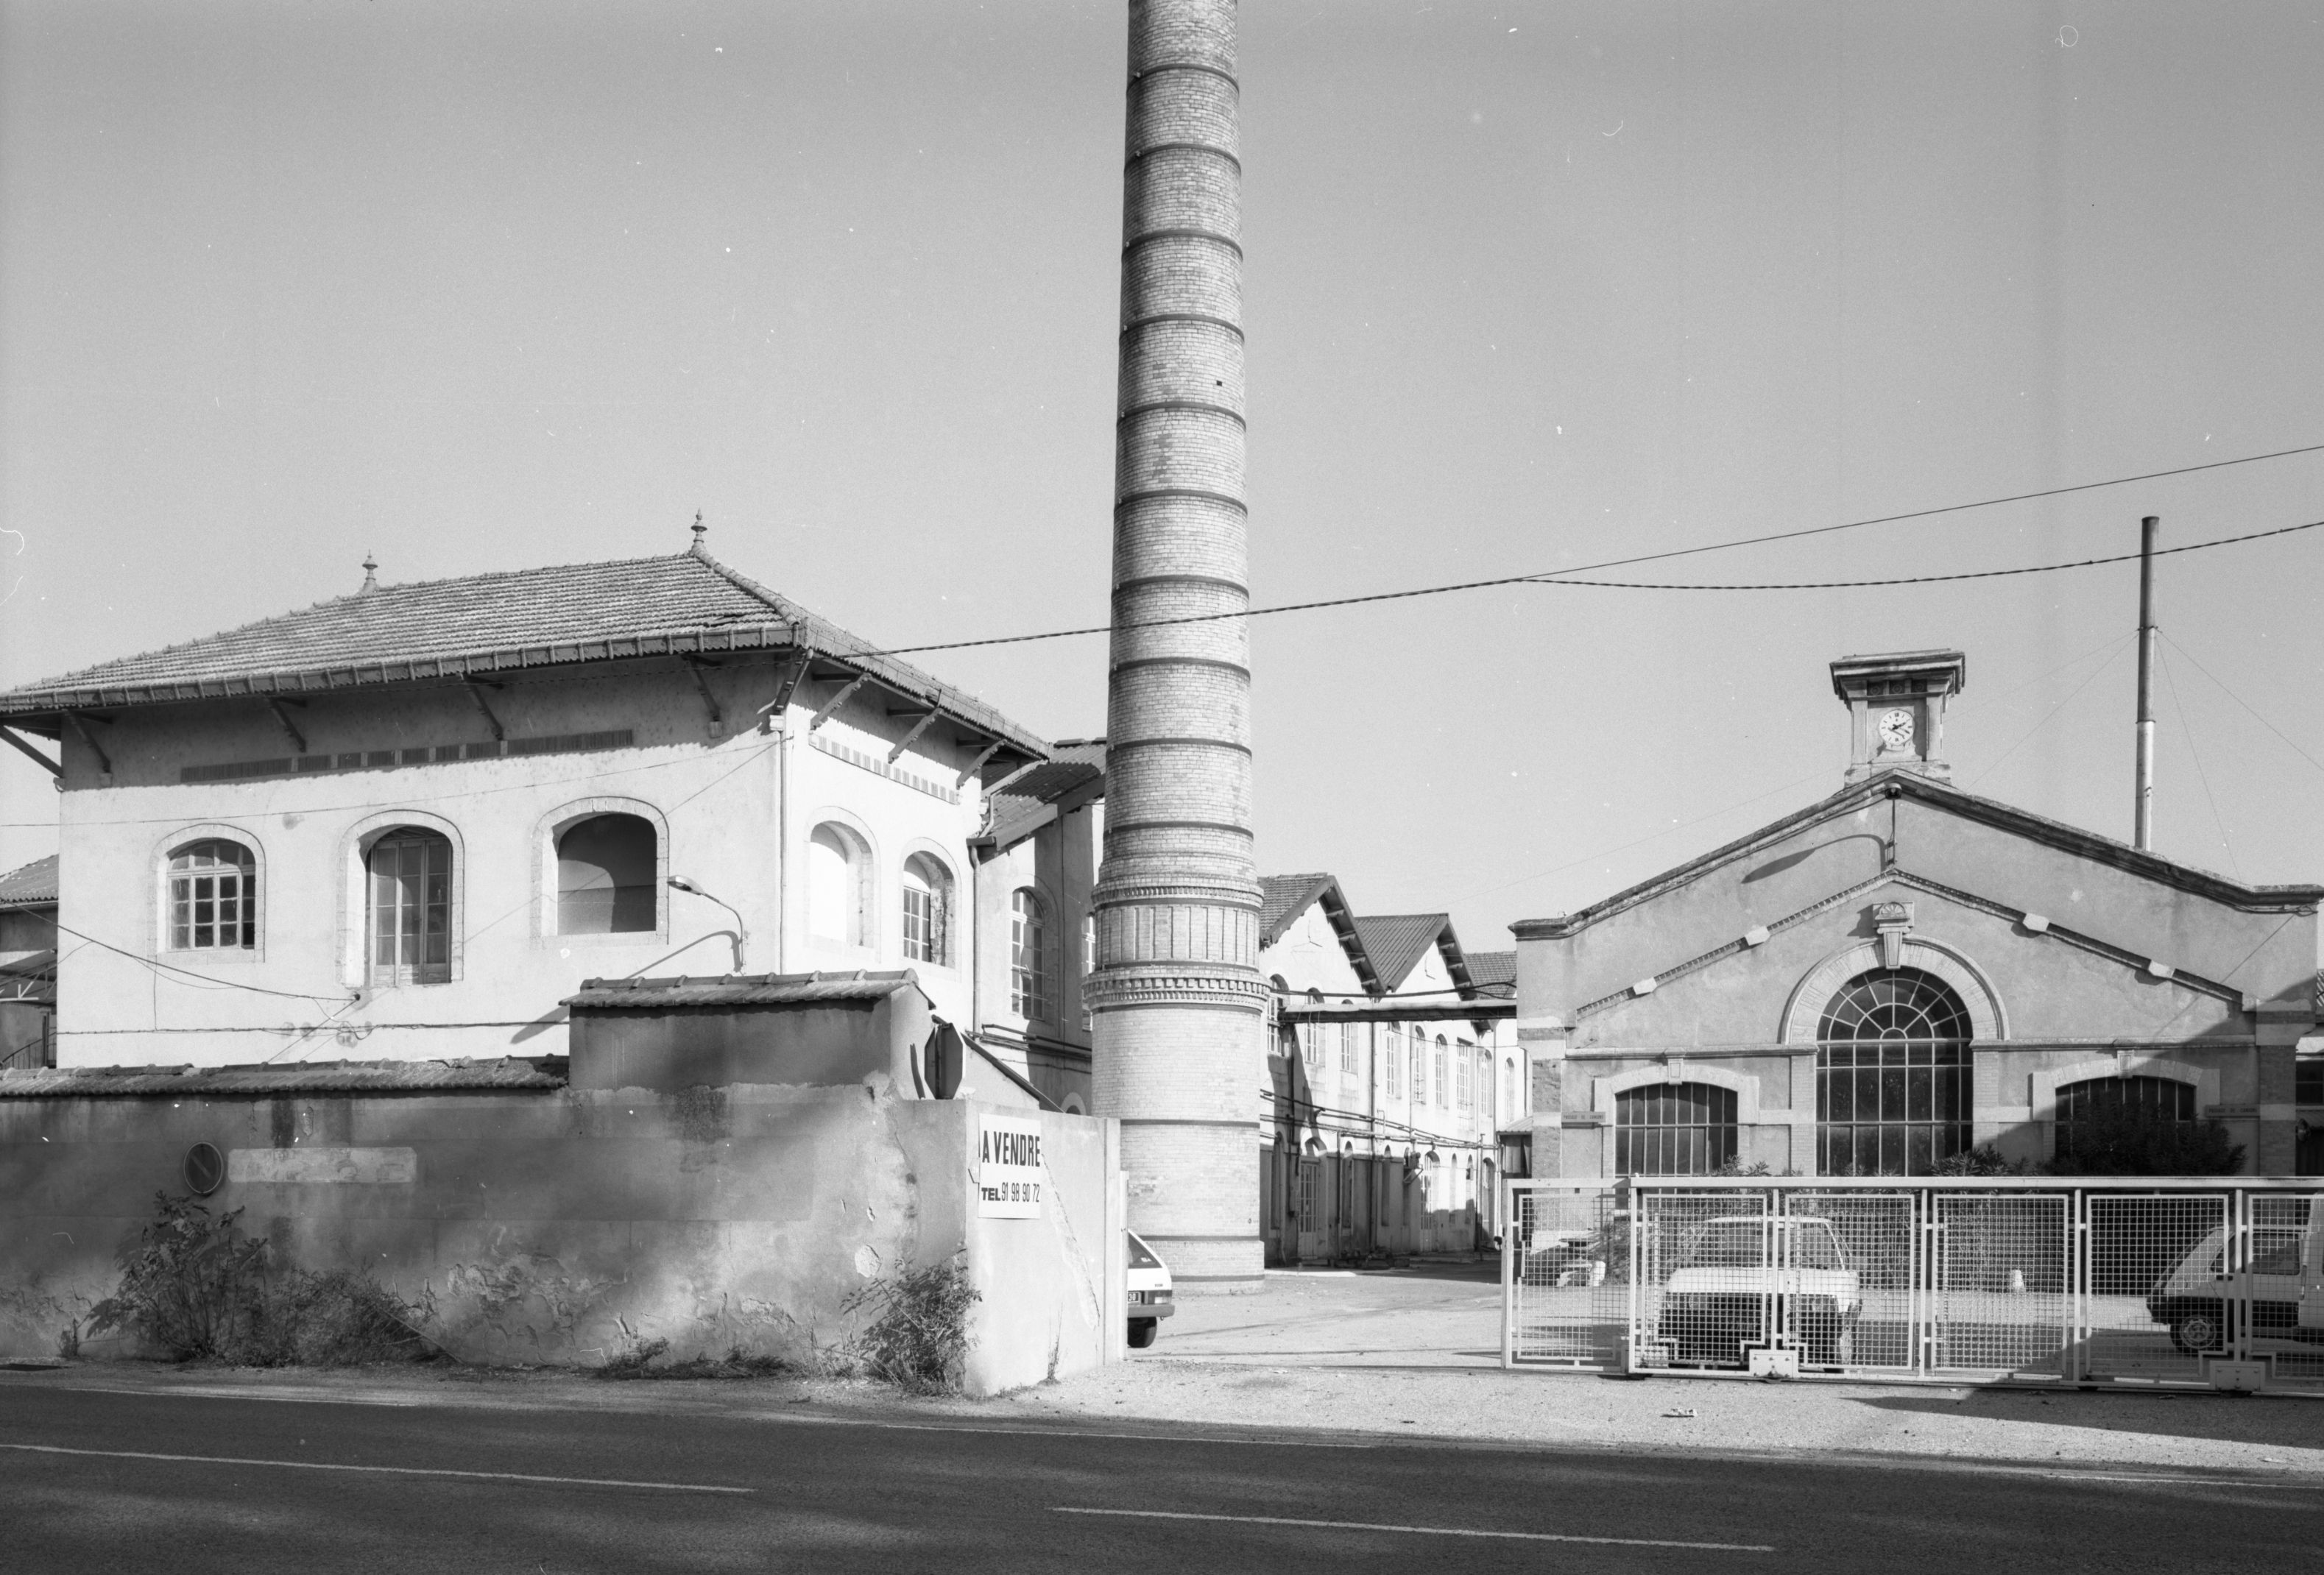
(1673,1128)
(411,878)
(1032,970)
(1892,1075)
(607,882)
(928,911)
(838,866)
(1391,1062)
(213,896)
(2149,1100)
(1443,1092)
(1465,1082)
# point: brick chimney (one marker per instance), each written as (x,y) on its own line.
(1177,997)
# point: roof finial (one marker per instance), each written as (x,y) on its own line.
(700,530)
(371,573)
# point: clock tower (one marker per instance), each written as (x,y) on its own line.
(1897,710)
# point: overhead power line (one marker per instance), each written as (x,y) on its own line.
(1562,577)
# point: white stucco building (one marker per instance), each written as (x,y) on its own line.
(405,824)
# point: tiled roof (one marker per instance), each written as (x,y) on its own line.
(30,885)
(1492,971)
(650,995)
(1397,942)
(321,1077)
(1284,897)
(537,617)
(1073,774)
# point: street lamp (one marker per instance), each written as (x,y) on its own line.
(741,933)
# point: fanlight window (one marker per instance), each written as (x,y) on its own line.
(2152,1099)
(1892,1075)
(410,877)
(1673,1128)
(1032,986)
(836,860)
(213,896)
(928,911)
(605,876)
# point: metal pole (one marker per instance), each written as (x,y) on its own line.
(2142,811)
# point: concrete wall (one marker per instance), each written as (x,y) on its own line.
(558,1227)
(735,808)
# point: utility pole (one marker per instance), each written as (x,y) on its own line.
(2142,811)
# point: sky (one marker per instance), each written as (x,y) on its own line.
(477,286)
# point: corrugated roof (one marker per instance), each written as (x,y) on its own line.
(536,617)
(30,885)
(739,989)
(1017,807)
(317,1077)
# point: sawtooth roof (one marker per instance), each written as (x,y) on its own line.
(682,603)
(33,885)
(1397,942)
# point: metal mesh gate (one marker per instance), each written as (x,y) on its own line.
(2082,1281)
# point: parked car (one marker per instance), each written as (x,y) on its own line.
(1150,1292)
(2197,1300)
(1742,1279)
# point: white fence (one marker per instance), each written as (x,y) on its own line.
(2059,1281)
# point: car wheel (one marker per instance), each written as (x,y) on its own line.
(1142,1332)
(2196,1332)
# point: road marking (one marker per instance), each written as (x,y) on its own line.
(389,1471)
(1429,1530)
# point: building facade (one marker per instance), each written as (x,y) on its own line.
(1380,1109)
(1904,971)
(28,965)
(408,822)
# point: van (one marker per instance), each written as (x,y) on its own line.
(1150,1298)
(2197,1300)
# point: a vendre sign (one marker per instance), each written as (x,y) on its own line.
(1009,1174)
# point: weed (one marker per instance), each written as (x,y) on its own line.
(68,1342)
(918,1340)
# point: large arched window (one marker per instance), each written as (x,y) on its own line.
(1032,968)
(1443,1088)
(409,871)
(838,868)
(212,896)
(605,876)
(1673,1128)
(1892,1075)
(928,911)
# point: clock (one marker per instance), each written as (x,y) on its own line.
(1895,728)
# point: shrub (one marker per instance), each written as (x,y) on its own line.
(195,1287)
(918,1340)
(1985,1159)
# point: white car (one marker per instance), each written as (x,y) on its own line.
(1742,1277)
(1150,1298)
(2196,1300)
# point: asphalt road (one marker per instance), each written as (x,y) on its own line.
(91,1481)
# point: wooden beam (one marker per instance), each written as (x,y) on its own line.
(298,739)
(97,749)
(477,692)
(836,701)
(694,665)
(905,742)
(53,768)
(976,765)
(794,674)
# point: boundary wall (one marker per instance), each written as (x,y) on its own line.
(562,1225)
